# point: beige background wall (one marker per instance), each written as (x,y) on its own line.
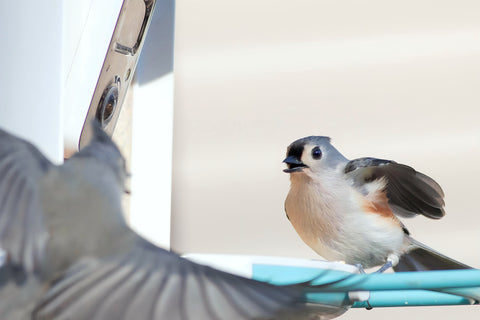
(397,80)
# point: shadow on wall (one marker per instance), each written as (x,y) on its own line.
(156,59)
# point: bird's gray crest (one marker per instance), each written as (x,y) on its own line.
(297,146)
(332,156)
(102,148)
(316,140)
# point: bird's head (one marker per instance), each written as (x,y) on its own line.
(312,154)
(103,149)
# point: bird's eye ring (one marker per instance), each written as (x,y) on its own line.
(316,153)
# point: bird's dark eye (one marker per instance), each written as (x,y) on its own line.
(316,153)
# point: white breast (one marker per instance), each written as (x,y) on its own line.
(328,215)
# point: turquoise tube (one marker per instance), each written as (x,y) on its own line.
(432,280)
(410,298)
(450,287)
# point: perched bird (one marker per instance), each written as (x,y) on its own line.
(348,210)
(71,255)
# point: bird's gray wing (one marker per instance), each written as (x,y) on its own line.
(151,283)
(409,192)
(22,231)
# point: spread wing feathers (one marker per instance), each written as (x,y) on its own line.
(22,231)
(151,283)
(409,192)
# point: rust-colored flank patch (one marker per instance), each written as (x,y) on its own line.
(379,205)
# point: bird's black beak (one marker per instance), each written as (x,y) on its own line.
(294,165)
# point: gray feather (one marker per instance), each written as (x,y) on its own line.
(22,230)
(420,257)
(409,192)
(170,287)
(18,292)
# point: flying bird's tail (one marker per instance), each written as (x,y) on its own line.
(419,257)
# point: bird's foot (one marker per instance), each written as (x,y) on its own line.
(360,268)
(385,267)
(392,260)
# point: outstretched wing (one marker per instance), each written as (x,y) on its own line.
(151,283)
(22,231)
(409,192)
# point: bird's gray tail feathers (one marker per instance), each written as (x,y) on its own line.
(422,258)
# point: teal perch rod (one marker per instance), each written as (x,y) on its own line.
(411,298)
(428,288)
(427,280)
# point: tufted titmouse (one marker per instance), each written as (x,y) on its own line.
(348,210)
(71,255)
